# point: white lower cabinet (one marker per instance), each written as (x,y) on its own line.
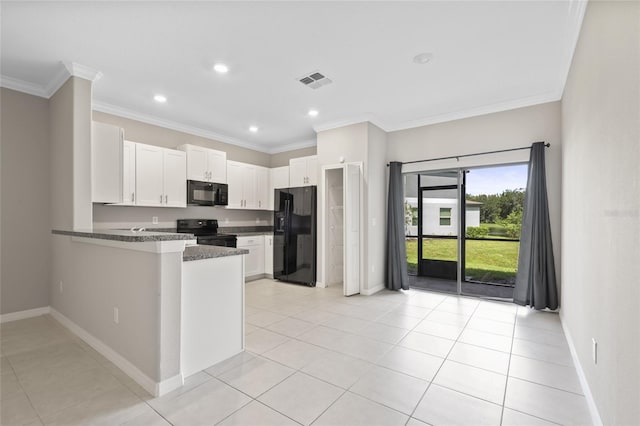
(268,255)
(254,261)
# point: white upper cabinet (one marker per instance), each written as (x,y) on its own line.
(204,164)
(160,177)
(128,174)
(248,186)
(278,178)
(262,187)
(303,171)
(106,163)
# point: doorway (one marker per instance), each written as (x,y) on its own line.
(463,227)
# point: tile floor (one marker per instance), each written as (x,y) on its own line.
(315,357)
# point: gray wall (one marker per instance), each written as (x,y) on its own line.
(25,210)
(282,158)
(502,130)
(601,206)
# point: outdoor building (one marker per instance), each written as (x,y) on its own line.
(440,216)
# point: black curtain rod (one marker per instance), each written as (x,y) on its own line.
(457,157)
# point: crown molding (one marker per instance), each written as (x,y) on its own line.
(474,112)
(361,118)
(168,124)
(82,71)
(22,86)
(574,22)
(293,146)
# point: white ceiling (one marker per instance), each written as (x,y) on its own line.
(488,56)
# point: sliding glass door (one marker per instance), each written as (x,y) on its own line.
(463,229)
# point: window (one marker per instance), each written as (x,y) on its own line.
(445,216)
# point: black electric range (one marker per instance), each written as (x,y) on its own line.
(206,232)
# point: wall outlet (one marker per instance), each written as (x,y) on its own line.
(60,286)
(154,220)
(116,316)
(594,350)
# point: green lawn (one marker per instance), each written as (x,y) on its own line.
(488,261)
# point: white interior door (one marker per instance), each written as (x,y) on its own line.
(352,208)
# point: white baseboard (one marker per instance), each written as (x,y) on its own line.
(150,385)
(29,313)
(372,290)
(593,409)
(321,284)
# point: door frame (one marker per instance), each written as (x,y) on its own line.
(324,214)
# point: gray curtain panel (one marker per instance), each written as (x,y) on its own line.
(396,247)
(536,278)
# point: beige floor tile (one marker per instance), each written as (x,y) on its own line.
(472,381)
(428,344)
(547,403)
(516,418)
(486,340)
(109,408)
(413,363)
(296,354)
(354,410)
(5,366)
(190,383)
(491,326)
(395,319)
(549,321)
(256,413)
(17,410)
(442,406)
(148,418)
(425,299)
(446,331)
(508,318)
(364,348)
(415,422)
(256,376)
(383,333)
(480,357)
(249,328)
(538,335)
(315,316)
(545,373)
(207,404)
(448,318)
(230,363)
(411,311)
(548,353)
(9,386)
(301,397)
(346,323)
(263,340)
(61,389)
(67,356)
(291,327)
(338,369)
(264,318)
(326,337)
(392,389)
(28,341)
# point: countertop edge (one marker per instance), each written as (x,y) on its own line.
(126,236)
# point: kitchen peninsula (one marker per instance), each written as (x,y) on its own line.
(153,303)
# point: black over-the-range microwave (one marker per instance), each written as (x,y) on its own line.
(207,193)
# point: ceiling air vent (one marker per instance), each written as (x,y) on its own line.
(314,80)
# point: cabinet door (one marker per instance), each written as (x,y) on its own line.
(235,181)
(197,163)
(268,254)
(149,175)
(129,173)
(250,187)
(254,261)
(175,178)
(312,170)
(106,163)
(297,172)
(217,165)
(262,188)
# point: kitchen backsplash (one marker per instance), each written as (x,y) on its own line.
(118,217)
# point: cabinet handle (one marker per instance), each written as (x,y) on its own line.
(133,198)
(166,199)
(160,198)
(259,203)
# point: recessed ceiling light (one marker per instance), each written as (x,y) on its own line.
(253,129)
(160,99)
(423,58)
(221,68)
(313,112)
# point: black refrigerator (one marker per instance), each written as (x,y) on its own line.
(294,236)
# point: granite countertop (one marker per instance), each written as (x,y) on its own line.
(126,235)
(200,252)
(252,233)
